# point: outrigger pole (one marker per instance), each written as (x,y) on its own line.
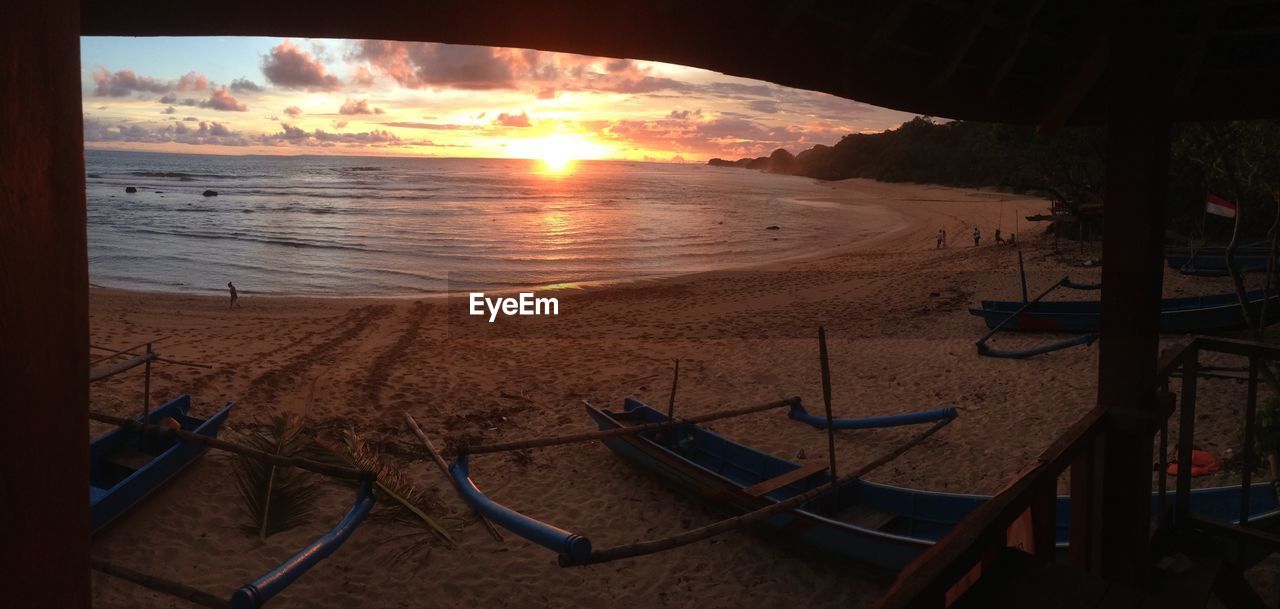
(621,431)
(575,550)
(1086,339)
(826,401)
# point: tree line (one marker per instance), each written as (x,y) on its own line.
(1235,160)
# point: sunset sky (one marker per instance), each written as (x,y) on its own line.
(294,96)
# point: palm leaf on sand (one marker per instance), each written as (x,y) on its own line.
(391,482)
(275,498)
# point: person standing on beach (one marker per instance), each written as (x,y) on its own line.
(999,241)
(977,236)
(232,287)
(940,239)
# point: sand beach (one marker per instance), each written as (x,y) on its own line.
(895,310)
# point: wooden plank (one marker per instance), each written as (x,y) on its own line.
(926,580)
(772,484)
(868,517)
(44,310)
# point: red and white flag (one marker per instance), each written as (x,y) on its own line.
(1219,206)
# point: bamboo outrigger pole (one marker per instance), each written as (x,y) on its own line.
(336,471)
(826,401)
(671,403)
(444,467)
(621,431)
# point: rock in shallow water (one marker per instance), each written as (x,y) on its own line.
(210,193)
(130,189)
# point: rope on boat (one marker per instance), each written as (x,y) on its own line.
(335,471)
(729,524)
(621,431)
(158,584)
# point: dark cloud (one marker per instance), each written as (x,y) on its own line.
(220,99)
(419,65)
(685,115)
(425,64)
(764,106)
(244,84)
(205,132)
(293,111)
(358,106)
(512,120)
(169,110)
(291,67)
(124,82)
(297,136)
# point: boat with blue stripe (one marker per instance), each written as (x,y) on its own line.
(877,525)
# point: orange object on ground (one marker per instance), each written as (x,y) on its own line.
(1202,464)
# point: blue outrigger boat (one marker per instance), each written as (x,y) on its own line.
(124,468)
(1212,261)
(878,525)
(1187,315)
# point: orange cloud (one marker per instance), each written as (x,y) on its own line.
(289,66)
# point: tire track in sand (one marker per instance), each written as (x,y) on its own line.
(266,387)
(379,370)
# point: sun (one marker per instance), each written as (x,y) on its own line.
(558,153)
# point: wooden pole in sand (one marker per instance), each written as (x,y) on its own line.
(826,400)
(146,395)
(444,467)
(1022,273)
(671,402)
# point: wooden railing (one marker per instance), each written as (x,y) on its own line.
(1022,514)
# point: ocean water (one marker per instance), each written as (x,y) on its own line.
(377,226)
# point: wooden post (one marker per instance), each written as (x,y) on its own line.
(671,402)
(1139,88)
(1022,273)
(44,308)
(1250,433)
(826,400)
(146,398)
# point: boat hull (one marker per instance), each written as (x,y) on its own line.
(115,487)
(1194,315)
(920,518)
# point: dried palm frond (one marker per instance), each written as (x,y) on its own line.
(275,498)
(391,484)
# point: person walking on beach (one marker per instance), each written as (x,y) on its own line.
(977,236)
(232,287)
(940,239)
(999,241)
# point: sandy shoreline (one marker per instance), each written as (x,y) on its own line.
(901,339)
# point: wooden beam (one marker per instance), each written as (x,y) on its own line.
(1139,83)
(1017,43)
(44,310)
(1206,29)
(959,50)
(887,27)
(1063,101)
